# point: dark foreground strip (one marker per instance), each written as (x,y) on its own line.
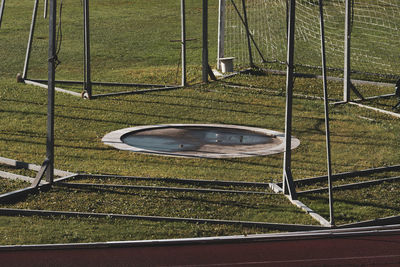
(378,246)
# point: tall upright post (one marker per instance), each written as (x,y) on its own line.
(288,184)
(51,91)
(246,25)
(30,40)
(205,42)
(183,41)
(87,71)
(3,2)
(45,6)
(347,42)
(221,31)
(326,108)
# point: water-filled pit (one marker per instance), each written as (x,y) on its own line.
(199,140)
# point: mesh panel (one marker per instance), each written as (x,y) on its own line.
(374,39)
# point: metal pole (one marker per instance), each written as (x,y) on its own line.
(45,9)
(87,71)
(183,40)
(3,2)
(205,42)
(51,91)
(288,185)
(30,40)
(246,25)
(221,32)
(347,42)
(326,106)
(250,35)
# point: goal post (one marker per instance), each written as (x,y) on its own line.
(106,41)
(372,26)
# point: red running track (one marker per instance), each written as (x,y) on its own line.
(358,247)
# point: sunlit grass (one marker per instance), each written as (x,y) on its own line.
(360,138)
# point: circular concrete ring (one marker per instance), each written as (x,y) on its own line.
(199,140)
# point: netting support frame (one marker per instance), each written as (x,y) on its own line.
(51,92)
(87,81)
(288,184)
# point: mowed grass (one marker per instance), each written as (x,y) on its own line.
(360,139)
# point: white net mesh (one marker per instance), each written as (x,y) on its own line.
(375,42)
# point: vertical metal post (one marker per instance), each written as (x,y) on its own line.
(326,107)
(347,42)
(51,91)
(183,40)
(87,71)
(205,42)
(3,2)
(246,25)
(288,185)
(45,9)
(221,31)
(30,40)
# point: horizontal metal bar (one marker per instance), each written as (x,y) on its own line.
(186,40)
(164,188)
(13,176)
(131,84)
(103,83)
(330,78)
(57,81)
(374,97)
(276,91)
(21,192)
(137,92)
(179,180)
(65,178)
(58,89)
(350,186)
(274,226)
(30,166)
(338,103)
(392,220)
(393,114)
(346,175)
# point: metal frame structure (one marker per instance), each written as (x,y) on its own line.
(67,181)
(287,187)
(288,183)
(348,83)
(87,82)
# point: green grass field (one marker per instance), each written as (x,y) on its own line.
(360,138)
